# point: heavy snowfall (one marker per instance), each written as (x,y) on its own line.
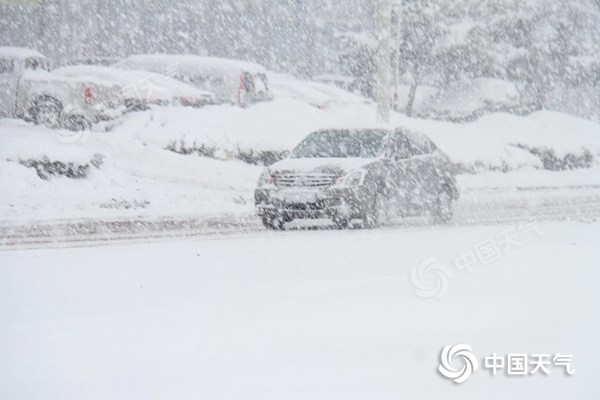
(267,199)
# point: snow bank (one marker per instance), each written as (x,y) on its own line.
(134,167)
(505,141)
(22,141)
(132,178)
(496,141)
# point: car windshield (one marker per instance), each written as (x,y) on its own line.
(366,143)
(37,64)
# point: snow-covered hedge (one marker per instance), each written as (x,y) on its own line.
(47,168)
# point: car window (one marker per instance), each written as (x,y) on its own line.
(6,66)
(261,84)
(249,83)
(400,147)
(366,143)
(204,82)
(421,144)
(34,64)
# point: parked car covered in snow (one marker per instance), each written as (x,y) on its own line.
(97,60)
(342,81)
(139,88)
(30,91)
(370,174)
(231,81)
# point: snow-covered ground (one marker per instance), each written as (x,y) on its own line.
(130,171)
(297,315)
(246,313)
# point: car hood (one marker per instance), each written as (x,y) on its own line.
(337,166)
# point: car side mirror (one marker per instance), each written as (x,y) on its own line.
(398,156)
(284,154)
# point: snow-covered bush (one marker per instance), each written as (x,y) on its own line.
(47,168)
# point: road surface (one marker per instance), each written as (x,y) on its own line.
(317,314)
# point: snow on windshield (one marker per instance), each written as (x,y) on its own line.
(341,144)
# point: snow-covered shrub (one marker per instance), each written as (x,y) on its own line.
(47,168)
(552,162)
(123,204)
(265,157)
(249,156)
(201,149)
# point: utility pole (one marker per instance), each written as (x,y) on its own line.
(383,62)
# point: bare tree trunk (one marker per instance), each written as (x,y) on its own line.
(411,98)
(383,62)
(413,91)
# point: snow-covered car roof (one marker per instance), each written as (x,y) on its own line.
(144,83)
(19,52)
(389,128)
(333,77)
(191,63)
(45,76)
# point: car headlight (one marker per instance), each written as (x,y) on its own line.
(352,179)
(266,180)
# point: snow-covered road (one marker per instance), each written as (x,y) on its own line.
(300,315)
(490,203)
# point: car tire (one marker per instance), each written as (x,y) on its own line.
(76,123)
(272,223)
(443,209)
(46,111)
(376,215)
(341,222)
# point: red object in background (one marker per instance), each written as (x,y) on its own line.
(89,95)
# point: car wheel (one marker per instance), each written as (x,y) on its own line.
(46,111)
(376,215)
(341,222)
(76,123)
(272,222)
(443,210)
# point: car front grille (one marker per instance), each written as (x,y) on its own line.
(315,180)
(303,206)
(318,206)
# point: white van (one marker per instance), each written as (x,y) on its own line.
(231,81)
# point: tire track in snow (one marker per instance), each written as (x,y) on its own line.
(477,207)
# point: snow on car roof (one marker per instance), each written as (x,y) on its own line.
(19,52)
(138,78)
(198,63)
(387,127)
(45,76)
(334,77)
(356,128)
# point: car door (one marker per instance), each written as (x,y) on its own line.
(403,179)
(424,170)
